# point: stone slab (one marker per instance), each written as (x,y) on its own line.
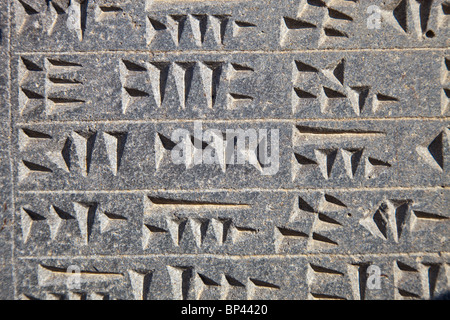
(349,99)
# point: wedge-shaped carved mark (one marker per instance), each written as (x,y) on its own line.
(110,9)
(358,98)
(245,24)
(358,277)
(335,14)
(400,14)
(290,233)
(65,153)
(352,158)
(162,145)
(55,220)
(336,74)
(303,67)
(431,274)
(234,282)
(301,208)
(177,25)
(405,267)
(322,296)
(221,227)
(78,13)
(446,8)
(263,284)
(149,233)
(433,154)
(31,94)
(57,276)
(156,203)
(402,211)
(304,206)
(281,234)
(140,283)
(24,13)
(85,215)
(36,134)
(84,147)
(445,100)
(331,203)
(203,283)
(429,216)
(199,228)
(375,166)
(304,161)
(181,280)
(136,93)
(31,66)
(153,27)
(326,219)
(236,100)
(382,97)
(61,100)
(304,94)
(110,221)
(176,227)
(423,220)
(322,131)
(27,167)
(115,146)
(59,80)
(199,25)
(333,94)
(239,233)
(255,285)
(134,67)
(322,240)
(293,24)
(159,74)
(331,32)
(210,73)
(239,26)
(326,159)
(28,217)
(239,67)
(407,294)
(324,270)
(317,3)
(61,104)
(230,284)
(63,63)
(29,10)
(27,136)
(381,220)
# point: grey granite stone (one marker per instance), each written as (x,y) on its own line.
(353,204)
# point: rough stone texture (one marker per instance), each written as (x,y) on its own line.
(91,93)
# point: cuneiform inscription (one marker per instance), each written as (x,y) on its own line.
(423,19)
(73,152)
(194,30)
(181,223)
(333,91)
(350,161)
(54,86)
(335,16)
(182,219)
(184,84)
(400,277)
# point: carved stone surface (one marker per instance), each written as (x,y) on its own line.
(351,99)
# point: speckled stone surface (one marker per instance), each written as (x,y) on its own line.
(357,92)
